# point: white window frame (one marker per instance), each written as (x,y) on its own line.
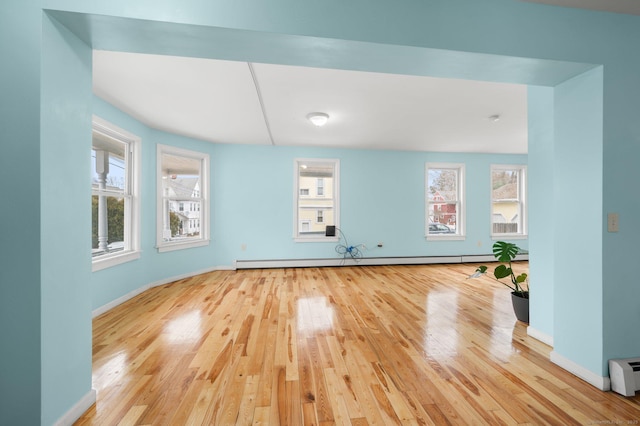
(460,204)
(132,211)
(522,200)
(297,224)
(165,246)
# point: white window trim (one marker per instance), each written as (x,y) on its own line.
(205,224)
(133,231)
(336,199)
(522,195)
(462,217)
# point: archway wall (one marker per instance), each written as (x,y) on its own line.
(577,194)
(499,40)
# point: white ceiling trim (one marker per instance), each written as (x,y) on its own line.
(259,94)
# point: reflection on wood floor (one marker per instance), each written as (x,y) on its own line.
(363,345)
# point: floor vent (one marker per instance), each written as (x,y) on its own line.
(625,375)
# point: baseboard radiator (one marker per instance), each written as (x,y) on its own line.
(365,261)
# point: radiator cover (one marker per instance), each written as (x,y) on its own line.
(625,375)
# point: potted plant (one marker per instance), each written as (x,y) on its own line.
(506,253)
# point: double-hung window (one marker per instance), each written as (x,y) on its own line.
(445,218)
(115,230)
(508,201)
(316,198)
(183,213)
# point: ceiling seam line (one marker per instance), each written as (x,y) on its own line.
(261,101)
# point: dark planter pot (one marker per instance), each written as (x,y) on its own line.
(521,307)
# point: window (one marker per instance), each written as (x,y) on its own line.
(114,195)
(320,187)
(182,179)
(314,212)
(508,208)
(445,201)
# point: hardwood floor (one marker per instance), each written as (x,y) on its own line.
(353,345)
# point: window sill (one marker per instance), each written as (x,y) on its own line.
(316,239)
(502,237)
(445,237)
(181,245)
(114,260)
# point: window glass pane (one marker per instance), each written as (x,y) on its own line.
(443,185)
(108,163)
(444,200)
(443,218)
(108,212)
(182,198)
(316,203)
(506,202)
(114,238)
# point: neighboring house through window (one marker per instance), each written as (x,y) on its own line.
(182,180)
(508,201)
(444,201)
(316,198)
(115,230)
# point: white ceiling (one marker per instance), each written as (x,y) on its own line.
(223,101)
(251,103)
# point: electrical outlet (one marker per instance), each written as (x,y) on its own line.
(612,222)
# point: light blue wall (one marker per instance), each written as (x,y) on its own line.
(382,198)
(540,190)
(621,288)
(20,272)
(578,320)
(64,189)
(511,41)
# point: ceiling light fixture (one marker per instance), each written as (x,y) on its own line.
(318,118)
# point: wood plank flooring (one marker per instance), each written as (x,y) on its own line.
(379,345)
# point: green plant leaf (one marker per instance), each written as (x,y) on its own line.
(505,252)
(502,271)
(521,278)
(482,269)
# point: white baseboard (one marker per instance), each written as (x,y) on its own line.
(365,261)
(104,308)
(600,382)
(539,335)
(77,410)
